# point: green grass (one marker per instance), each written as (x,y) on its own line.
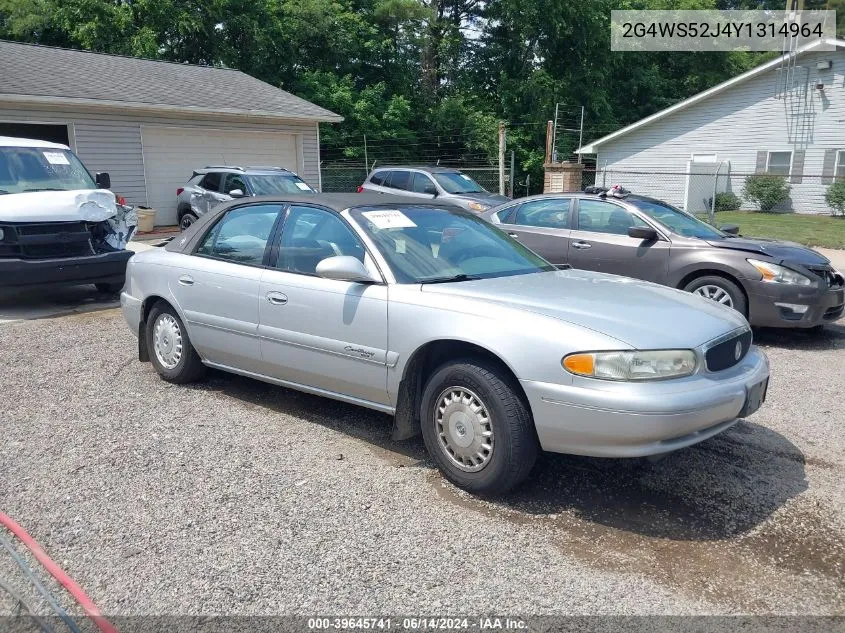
(811,230)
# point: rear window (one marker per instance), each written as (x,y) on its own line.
(378,177)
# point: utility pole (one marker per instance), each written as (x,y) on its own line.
(549,131)
(501,157)
(510,176)
(366,158)
(554,135)
(581,134)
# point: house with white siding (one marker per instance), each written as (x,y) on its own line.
(784,117)
(149,124)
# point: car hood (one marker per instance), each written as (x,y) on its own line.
(90,205)
(641,314)
(482,196)
(780,251)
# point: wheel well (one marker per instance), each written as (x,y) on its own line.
(146,307)
(714,273)
(422,364)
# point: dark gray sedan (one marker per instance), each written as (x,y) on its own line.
(773,283)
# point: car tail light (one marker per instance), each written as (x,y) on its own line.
(120,200)
(360,189)
(179,191)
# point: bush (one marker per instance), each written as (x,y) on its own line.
(727,201)
(835,197)
(766,190)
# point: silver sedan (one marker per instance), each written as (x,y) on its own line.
(430,314)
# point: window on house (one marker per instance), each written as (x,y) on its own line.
(779,163)
(840,164)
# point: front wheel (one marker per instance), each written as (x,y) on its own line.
(171,352)
(477,427)
(720,290)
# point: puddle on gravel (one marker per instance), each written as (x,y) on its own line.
(795,556)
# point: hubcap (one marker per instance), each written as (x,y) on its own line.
(715,293)
(463,427)
(167,341)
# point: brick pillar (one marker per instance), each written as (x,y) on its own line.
(562,177)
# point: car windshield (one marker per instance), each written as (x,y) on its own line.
(676,220)
(434,245)
(24,169)
(456,182)
(273,184)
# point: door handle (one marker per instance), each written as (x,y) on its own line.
(581,244)
(277,298)
(186,280)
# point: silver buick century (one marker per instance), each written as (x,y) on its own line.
(428,313)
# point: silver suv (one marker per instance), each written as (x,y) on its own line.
(214,184)
(445,184)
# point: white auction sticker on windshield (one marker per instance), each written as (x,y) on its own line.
(389,219)
(303,186)
(56,158)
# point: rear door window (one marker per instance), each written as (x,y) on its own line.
(549,214)
(378,178)
(400,179)
(241,236)
(211,182)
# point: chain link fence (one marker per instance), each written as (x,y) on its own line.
(700,190)
(347,179)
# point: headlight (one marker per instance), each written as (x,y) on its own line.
(632,365)
(779,274)
(477,206)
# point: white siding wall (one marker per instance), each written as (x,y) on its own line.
(112,142)
(735,125)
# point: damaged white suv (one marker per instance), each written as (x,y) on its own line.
(58,225)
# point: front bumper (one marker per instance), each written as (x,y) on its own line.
(823,304)
(88,269)
(615,419)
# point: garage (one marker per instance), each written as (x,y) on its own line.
(171,154)
(176,118)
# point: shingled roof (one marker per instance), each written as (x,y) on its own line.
(42,74)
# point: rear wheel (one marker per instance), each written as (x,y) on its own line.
(720,290)
(477,428)
(187,219)
(171,352)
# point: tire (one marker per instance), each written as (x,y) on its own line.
(186,220)
(187,367)
(109,289)
(709,287)
(462,385)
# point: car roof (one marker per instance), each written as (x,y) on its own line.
(571,194)
(333,201)
(12,141)
(431,169)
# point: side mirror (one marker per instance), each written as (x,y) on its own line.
(103,180)
(237,193)
(730,229)
(345,268)
(643,233)
(430,190)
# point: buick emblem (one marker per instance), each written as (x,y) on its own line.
(738,350)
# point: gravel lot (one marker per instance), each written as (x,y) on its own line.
(238,497)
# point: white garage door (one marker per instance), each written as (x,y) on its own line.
(172,153)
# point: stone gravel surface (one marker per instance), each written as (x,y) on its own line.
(237,497)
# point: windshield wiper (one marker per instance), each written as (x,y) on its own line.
(446,280)
(44,189)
